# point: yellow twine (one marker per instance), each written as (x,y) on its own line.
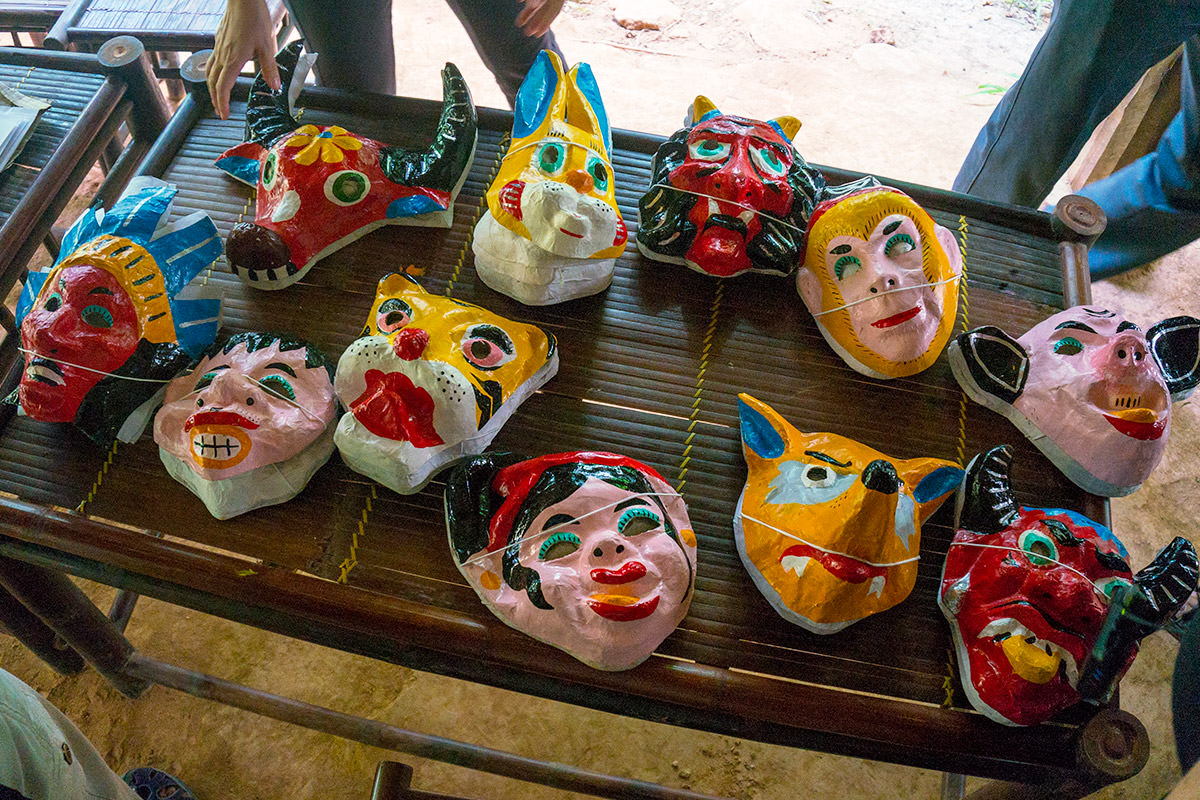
(694,417)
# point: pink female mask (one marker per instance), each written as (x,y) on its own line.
(592,553)
(1087,387)
(251,424)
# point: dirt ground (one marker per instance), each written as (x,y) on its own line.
(894,87)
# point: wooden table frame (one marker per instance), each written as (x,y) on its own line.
(38,603)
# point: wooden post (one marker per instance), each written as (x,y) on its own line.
(57,38)
(1076,223)
(1113,746)
(194,74)
(66,610)
(125,57)
(33,633)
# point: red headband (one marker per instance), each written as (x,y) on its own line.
(516,481)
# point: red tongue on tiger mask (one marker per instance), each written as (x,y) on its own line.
(393,407)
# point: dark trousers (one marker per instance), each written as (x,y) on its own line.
(1093,52)
(1185,695)
(354,40)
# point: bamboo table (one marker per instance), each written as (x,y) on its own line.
(651,368)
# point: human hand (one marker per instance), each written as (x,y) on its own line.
(245,32)
(535,18)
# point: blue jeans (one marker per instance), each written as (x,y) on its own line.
(1093,52)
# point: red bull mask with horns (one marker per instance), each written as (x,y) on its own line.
(320,187)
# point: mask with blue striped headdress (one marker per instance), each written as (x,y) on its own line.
(120,273)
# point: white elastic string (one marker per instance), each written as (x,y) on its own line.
(1038,556)
(826,549)
(556,140)
(757,211)
(255,384)
(557,528)
(951,279)
(89,369)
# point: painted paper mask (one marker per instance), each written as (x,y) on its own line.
(1027,592)
(552,231)
(110,323)
(1087,387)
(251,423)
(881,279)
(320,187)
(592,553)
(829,529)
(728,195)
(431,380)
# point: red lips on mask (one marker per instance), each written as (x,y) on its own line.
(394,408)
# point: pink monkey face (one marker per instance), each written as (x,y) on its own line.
(258,400)
(1096,391)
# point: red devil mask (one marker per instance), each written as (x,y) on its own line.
(1035,600)
(322,187)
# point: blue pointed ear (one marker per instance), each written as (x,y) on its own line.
(941,481)
(242,162)
(586,82)
(535,96)
(758,433)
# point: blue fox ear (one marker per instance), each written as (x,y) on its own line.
(758,433)
(536,95)
(941,481)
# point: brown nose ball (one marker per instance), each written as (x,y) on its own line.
(253,247)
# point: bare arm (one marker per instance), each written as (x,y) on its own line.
(535,18)
(245,32)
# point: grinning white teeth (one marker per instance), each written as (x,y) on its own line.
(215,446)
(1001,629)
(746,216)
(713,208)
(45,373)
(796,564)
(877,586)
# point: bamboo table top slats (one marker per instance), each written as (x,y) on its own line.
(68,93)
(651,369)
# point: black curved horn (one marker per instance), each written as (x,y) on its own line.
(443,163)
(988,502)
(267,114)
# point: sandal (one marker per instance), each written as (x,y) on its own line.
(154,784)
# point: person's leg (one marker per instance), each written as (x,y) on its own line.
(1185,696)
(503,47)
(1092,53)
(353,39)
(43,756)
(1153,204)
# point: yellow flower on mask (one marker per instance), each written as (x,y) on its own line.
(328,144)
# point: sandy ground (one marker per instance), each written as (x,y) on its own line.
(894,87)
